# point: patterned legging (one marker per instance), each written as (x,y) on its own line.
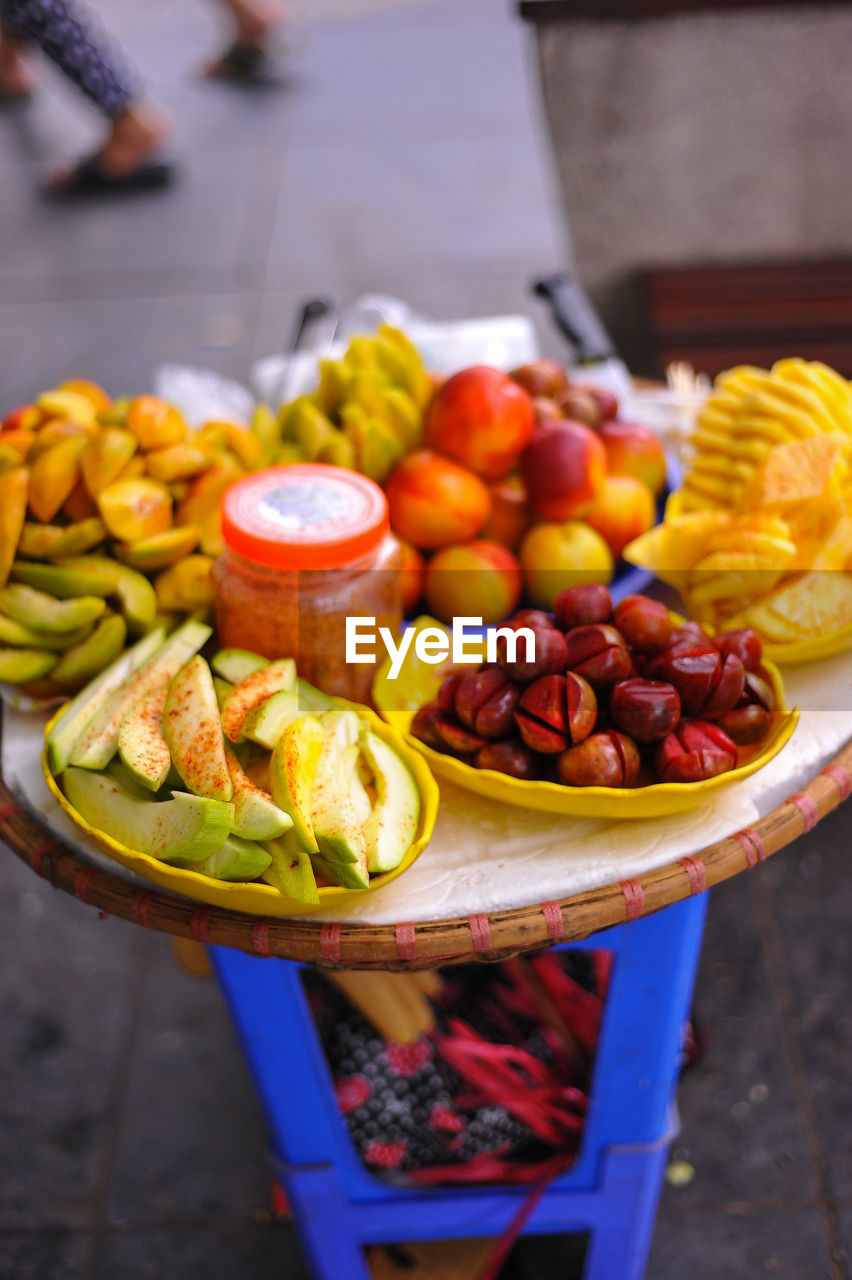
(77,46)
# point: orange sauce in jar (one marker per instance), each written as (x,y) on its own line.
(306,546)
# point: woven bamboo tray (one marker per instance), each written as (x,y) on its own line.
(438,942)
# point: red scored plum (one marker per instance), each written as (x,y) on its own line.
(746,725)
(745,645)
(551,653)
(645,709)
(759,691)
(423,726)
(485,702)
(608,759)
(645,624)
(598,653)
(582,605)
(457,736)
(751,719)
(534,618)
(689,633)
(447,692)
(511,757)
(708,684)
(555,712)
(696,751)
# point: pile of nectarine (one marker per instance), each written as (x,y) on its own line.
(526,483)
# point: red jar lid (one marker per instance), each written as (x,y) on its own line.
(304,516)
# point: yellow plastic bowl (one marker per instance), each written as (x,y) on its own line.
(417,683)
(257,898)
(810,648)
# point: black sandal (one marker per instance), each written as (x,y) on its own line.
(244,64)
(87,178)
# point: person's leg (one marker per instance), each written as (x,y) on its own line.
(14,81)
(254,21)
(85,56)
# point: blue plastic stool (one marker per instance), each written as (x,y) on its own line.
(612,1189)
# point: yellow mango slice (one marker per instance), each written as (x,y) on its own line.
(55,432)
(133,469)
(212,542)
(19,440)
(70,406)
(9,458)
(161,550)
(44,541)
(105,457)
(205,494)
(186,586)
(242,442)
(264,424)
(177,462)
(91,391)
(27,417)
(78,506)
(54,475)
(155,423)
(135,509)
(13,508)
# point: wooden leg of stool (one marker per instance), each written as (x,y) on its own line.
(431,1260)
(393,1002)
(191,957)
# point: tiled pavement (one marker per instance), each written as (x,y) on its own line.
(403,155)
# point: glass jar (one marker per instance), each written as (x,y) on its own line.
(306,546)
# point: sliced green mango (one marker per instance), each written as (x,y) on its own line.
(335,818)
(80,710)
(99,741)
(254,689)
(224,689)
(95,576)
(143,750)
(266,722)
(80,664)
(291,775)
(351,875)
(44,541)
(256,816)
(185,828)
(236,860)
(15,633)
(193,731)
(290,870)
(44,612)
(236,664)
(313,701)
(20,666)
(161,549)
(392,824)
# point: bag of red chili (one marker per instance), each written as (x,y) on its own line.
(494,1093)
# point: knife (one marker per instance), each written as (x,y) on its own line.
(576,318)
